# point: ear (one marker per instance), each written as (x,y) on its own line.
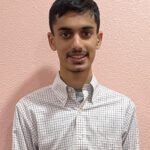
(51,41)
(99,39)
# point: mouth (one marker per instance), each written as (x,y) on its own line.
(80,56)
(77,58)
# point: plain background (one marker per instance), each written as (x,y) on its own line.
(27,63)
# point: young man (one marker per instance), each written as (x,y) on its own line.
(75,112)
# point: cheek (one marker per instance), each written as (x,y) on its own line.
(62,46)
(92,44)
(92,47)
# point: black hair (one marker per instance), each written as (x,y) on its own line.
(61,7)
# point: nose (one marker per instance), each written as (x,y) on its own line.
(77,42)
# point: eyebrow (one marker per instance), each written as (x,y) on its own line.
(64,29)
(70,29)
(88,28)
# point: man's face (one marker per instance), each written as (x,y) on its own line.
(76,40)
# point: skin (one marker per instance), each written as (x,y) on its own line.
(75,39)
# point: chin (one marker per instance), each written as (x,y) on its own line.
(79,69)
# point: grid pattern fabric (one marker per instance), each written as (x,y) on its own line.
(51,118)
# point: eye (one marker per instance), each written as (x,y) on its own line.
(66,34)
(86,34)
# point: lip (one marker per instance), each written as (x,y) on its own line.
(78,56)
(77,59)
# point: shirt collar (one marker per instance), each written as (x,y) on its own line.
(60,88)
(94,82)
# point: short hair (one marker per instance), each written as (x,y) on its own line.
(61,7)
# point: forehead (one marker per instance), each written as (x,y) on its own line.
(75,20)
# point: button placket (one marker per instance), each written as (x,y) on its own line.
(80,130)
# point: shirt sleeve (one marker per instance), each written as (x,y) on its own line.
(22,135)
(131,133)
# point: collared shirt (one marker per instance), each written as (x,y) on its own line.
(51,118)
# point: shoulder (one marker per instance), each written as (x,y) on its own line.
(36,97)
(110,96)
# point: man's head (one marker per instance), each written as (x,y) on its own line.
(61,7)
(75,34)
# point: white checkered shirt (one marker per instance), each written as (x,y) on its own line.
(51,118)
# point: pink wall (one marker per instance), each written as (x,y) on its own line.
(27,63)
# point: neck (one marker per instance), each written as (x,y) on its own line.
(76,80)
